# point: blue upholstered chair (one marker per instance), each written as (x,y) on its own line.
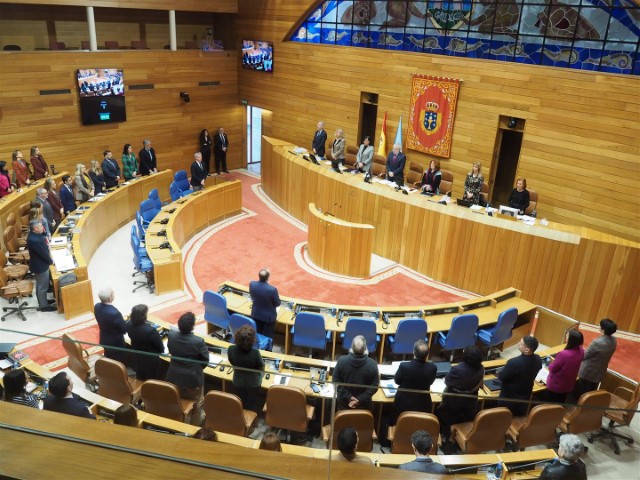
(174,191)
(142,251)
(309,331)
(409,331)
(215,311)
(182,183)
(148,211)
(360,326)
(460,335)
(153,195)
(236,321)
(501,332)
(141,231)
(141,263)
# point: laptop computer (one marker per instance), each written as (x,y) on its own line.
(5,349)
(464,203)
(443,369)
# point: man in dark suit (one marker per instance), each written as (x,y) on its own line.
(186,372)
(517,376)
(62,399)
(265,301)
(66,195)
(39,262)
(147,159)
(416,374)
(422,443)
(112,326)
(353,369)
(220,146)
(395,165)
(319,140)
(110,170)
(198,173)
(41,196)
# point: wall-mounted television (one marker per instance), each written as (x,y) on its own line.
(257,55)
(101,93)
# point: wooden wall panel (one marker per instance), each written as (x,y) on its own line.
(581,147)
(53,121)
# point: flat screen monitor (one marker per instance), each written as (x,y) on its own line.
(107,109)
(257,55)
(504,210)
(100,82)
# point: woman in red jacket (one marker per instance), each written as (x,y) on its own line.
(5,181)
(39,165)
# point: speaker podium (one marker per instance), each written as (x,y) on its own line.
(339,246)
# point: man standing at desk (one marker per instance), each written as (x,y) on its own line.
(198,173)
(110,170)
(518,374)
(265,301)
(39,262)
(112,326)
(319,140)
(395,165)
(147,157)
(356,368)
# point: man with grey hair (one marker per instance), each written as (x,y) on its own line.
(198,173)
(39,262)
(147,158)
(360,375)
(112,326)
(41,196)
(319,140)
(568,465)
(395,165)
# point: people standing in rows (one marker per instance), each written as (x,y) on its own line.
(364,158)
(110,170)
(563,371)
(84,185)
(473,184)
(395,165)
(47,211)
(596,358)
(5,180)
(54,200)
(338,147)
(221,145)
(39,262)
(112,326)
(319,140)
(198,173)
(265,300)
(247,379)
(129,162)
(20,170)
(67,197)
(147,158)
(205,148)
(519,196)
(430,183)
(96,176)
(517,376)
(40,168)
(144,338)
(35,213)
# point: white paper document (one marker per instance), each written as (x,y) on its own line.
(63,259)
(543,374)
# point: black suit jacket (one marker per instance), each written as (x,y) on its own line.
(265,300)
(110,170)
(145,338)
(48,213)
(198,173)
(183,373)
(415,375)
(218,143)
(112,330)
(517,378)
(396,167)
(40,258)
(147,162)
(66,197)
(70,406)
(319,139)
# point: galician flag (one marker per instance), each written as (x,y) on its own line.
(398,139)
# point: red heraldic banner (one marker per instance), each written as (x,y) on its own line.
(432,112)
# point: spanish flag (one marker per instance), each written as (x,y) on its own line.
(382,143)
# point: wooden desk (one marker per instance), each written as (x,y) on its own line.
(192,214)
(339,246)
(578,272)
(101,219)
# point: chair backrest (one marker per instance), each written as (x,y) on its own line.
(286,408)
(533,202)
(446,182)
(174,191)
(17,226)
(113,382)
(461,334)
(10,241)
(489,430)
(139,224)
(138,44)
(224,413)
(215,309)
(414,175)
(360,326)
(353,149)
(484,193)
(504,328)
(148,210)
(626,399)
(163,399)
(236,321)
(309,330)
(57,46)
(111,45)
(350,159)
(409,331)
(540,427)
(409,422)
(153,195)
(361,420)
(24,213)
(191,45)
(587,417)
(84,45)
(181,180)
(76,362)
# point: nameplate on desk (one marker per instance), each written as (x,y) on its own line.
(59,241)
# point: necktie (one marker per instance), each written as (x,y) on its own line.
(395,157)
(150,156)
(222,138)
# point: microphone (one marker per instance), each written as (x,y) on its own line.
(161,233)
(328,212)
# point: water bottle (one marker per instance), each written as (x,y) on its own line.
(45,389)
(498,472)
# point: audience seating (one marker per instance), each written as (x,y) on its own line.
(627,401)
(224,413)
(538,428)
(111,45)
(360,326)
(460,335)
(414,175)
(15,254)
(141,264)
(84,45)
(446,182)
(408,332)
(587,415)
(361,420)
(236,321)
(191,45)
(79,361)
(215,311)
(532,209)
(14,272)
(309,330)
(163,399)
(286,408)
(13,292)
(114,383)
(139,45)
(486,432)
(501,332)
(408,422)
(57,46)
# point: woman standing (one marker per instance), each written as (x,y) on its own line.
(563,371)
(242,354)
(40,168)
(144,338)
(430,183)
(205,149)
(95,173)
(129,162)
(473,184)
(54,200)
(338,146)
(519,197)
(365,155)
(5,180)
(84,185)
